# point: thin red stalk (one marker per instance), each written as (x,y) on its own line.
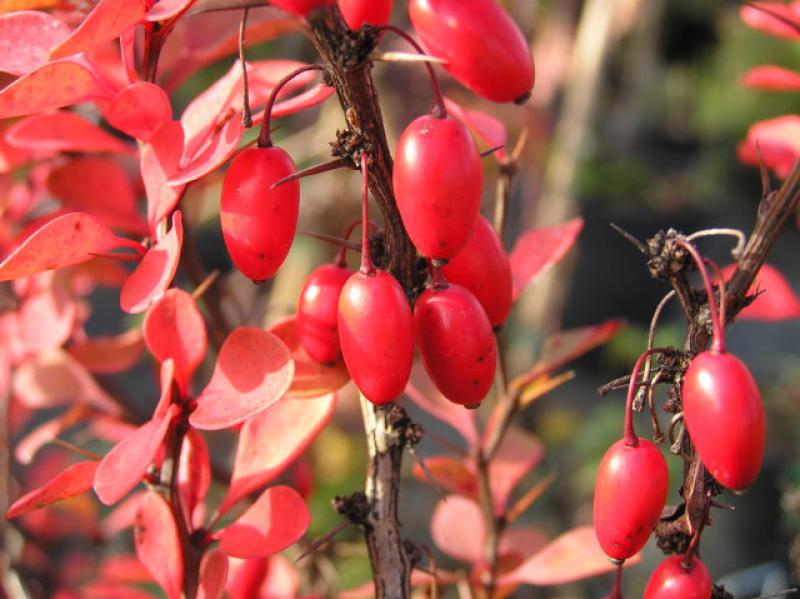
(631,440)
(247,118)
(437,276)
(616,591)
(721,285)
(340,254)
(367,267)
(440,111)
(718,344)
(264,139)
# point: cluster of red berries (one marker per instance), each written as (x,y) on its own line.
(366,316)
(724,417)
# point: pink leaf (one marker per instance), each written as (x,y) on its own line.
(222,147)
(194,472)
(27,447)
(66,240)
(124,568)
(53,85)
(166,380)
(63,131)
(277,520)
(123,516)
(158,544)
(26,38)
(213,573)
(99,186)
(139,110)
(73,481)
(776,302)
(174,328)
(125,465)
(159,159)
(538,249)
(771,77)
(521,543)
(151,278)
(253,370)
(435,404)
(450,473)
(574,555)
(271,440)
(485,126)
(47,317)
(779,142)
(273,577)
(457,528)
(762,20)
(111,354)
(108,20)
(518,453)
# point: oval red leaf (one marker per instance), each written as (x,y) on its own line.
(174,328)
(108,20)
(770,21)
(771,77)
(435,404)
(488,128)
(779,142)
(194,472)
(139,110)
(73,481)
(776,299)
(125,465)
(63,131)
(26,38)
(254,369)
(158,544)
(109,355)
(213,574)
(538,249)
(66,240)
(277,520)
(450,473)
(151,278)
(270,441)
(517,455)
(223,145)
(457,528)
(159,159)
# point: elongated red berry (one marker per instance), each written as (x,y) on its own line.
(456,343)
(723,412)
(358,12)
(259,223)
(675,579)
(317,312)
(484,48)
(300,7)
(482,267)
(437,183)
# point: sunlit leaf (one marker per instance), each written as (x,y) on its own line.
(63,131)
(47,316)
(772,78)
(27,447)
(449,473)
(254,369)
(458,529)
(109,354)
(159,159)
(73,481)
(488,128)
(778,139)
(194,472)
(158,543)
(518,454)
(167,9)
(222,147)
(435,404)
(768,22)
(26,38)
(776,300)
(107,21)
(274,576)
(139,110)
(213,574)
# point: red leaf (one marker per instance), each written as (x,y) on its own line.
(517,455)
(777,300)
(123,516)
(167,9)
(109,355)
(273,577)
(101,187)
(166,379)
(73,481)
(778,140)
(158,543)
(194,472)
(30,444)
(488,128)
(311,379)
(253,370)
(159,159)
(574,555)
(452,474)
(521,543)
(213,573)
(63,131)
(26,38)
(771,77)
(457,528)
(271,440)
(47,316)
(435,404)
(174,328)
(66,240)
(139,110)
(125,465)
(277,520)
(538,249)
(769,23)
(222,147)
(124,568)
(53,85)
(151,278)
(107,21)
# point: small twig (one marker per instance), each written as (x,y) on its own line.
(314,170)
(324,539)
(378,56)
(640,245)
(741,240)
(492,150)
(205,284)
(75,449)
(651,337)
(341,242)
(525,502)
(247,118)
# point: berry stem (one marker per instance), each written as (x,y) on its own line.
(616,591)
(265,139)
(718,344)
(247,117)
(440,110)
(631,440)
(437,276)
(722,295)
(340,254)
(367,267)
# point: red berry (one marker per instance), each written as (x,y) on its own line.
(484,48)
(482,267)
(672,580)
(300,7)
(723,412)
(317,312)
(437,184)
(376,334)
(456,343)
(629,494)
(358,12)
(259,223)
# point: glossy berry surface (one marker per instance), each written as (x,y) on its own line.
(317,312)
(259,223)
(358,12)
(300,7)
(456,343)
(376,334)
(723,412)
(485,50)
(629,493)
(671,580)
(483,268)
(437,183)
